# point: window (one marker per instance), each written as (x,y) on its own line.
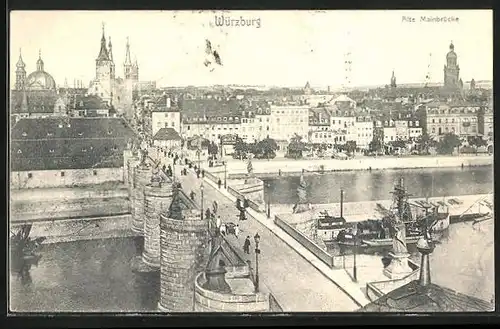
(50,134)
(225,119)
(95,172)
(51,150)
(110,132)
(24,134)
(433,121)
(188,127)
(19,151)
(30,175)
(62,173)
(80,134)
(433,130)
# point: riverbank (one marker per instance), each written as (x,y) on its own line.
(237,168)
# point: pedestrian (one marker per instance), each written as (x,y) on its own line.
(219,183)
(164,168)
(203,173)
(236,230)
(223,229)
(246,245)
(198,173)
(219,221)
(208,214)
(192,195)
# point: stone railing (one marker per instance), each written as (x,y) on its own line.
(211,176)
(252,204)
(306,242)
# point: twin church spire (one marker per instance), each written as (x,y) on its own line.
(106,55)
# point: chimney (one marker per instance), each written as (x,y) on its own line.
(425,248)
(341,203)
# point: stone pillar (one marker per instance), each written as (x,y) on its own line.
(184,254)
(131,163)
(142,176)
(156,202)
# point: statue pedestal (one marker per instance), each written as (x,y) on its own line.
(301,207)
(398,268)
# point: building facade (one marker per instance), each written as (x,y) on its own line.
(459,118)
(289,120)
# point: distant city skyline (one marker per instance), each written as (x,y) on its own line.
(289,48)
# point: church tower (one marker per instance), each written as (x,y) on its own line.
(127,65)
(451,69)
(105,72)
(393,80)
(20,72)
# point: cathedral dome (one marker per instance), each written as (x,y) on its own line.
(40,80)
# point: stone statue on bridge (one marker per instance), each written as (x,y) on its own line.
(302,205)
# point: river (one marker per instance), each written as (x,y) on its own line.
(95,276)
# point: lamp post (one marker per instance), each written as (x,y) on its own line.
(199,159)
(268,200)
(225,174)
(257,252)
(201,189)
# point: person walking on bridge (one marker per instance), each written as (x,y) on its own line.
(246,245)
(219,183)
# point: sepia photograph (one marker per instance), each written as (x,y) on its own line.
(251,161)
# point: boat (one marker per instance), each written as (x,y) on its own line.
(388,242)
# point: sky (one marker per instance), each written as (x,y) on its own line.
(288,49)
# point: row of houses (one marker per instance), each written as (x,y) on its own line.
(334,122)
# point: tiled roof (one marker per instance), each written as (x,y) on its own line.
(167,134)
(68,143)
(210,107)
(433,298)
(89,103)
(37,101)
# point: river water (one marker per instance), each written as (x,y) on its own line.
(95,276)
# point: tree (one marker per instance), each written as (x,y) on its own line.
(240,147)
(399,143)
(375,145)
(448,144)
(477,142)
(296,147)
(267,147)
(350,146)
(425,142)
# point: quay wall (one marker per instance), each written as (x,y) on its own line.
(69,230)
(142,176)
(262,168)
(65,194)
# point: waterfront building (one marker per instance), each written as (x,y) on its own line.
(63,151)
(343,119)
(390,134)
(289,120)
(364,131)
(112,89)
(485,122)
(164,114)
(35,95)
(460,118)
(263,117)
(210,118)
(250,128)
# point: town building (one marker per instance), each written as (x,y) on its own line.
(112,89)
(485,122)
(165,114)
(89,106)
(210,118)
(459,118)
(35,95)
(288,121)
(63,151)
(167,138)
(364,131)
(263,117)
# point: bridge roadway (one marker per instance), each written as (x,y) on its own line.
(296,284)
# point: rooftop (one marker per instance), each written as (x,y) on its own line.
(167,134)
